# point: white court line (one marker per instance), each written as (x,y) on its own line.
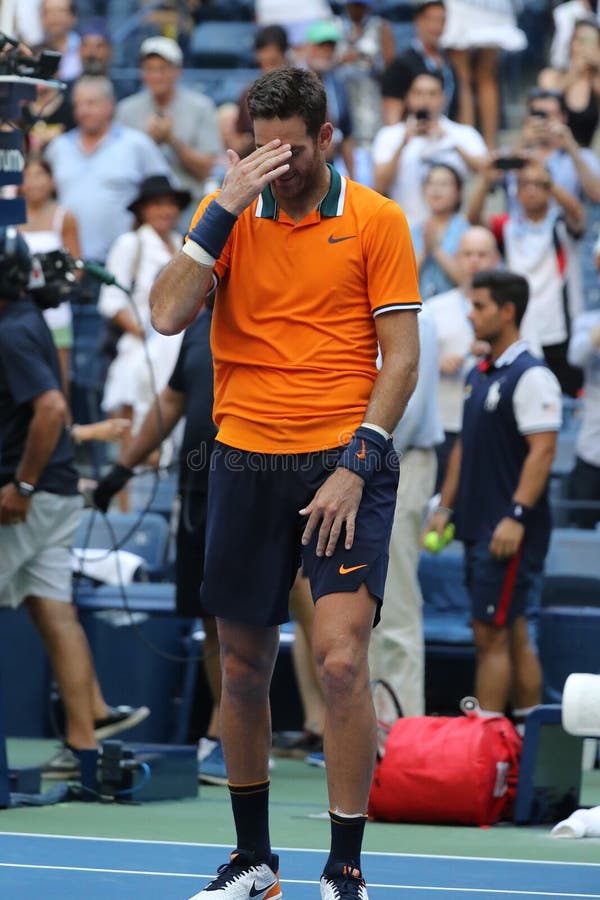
(321,850)
(396,887)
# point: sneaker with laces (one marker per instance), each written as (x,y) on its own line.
(343,883)
(242,878)
(63,765)
(211,768)
(119,718)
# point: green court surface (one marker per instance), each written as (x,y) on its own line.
(298,819)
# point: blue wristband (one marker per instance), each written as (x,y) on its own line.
(213,229)
(365,452)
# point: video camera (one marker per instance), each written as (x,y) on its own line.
(13,61)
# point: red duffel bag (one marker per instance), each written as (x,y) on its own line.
(447,770)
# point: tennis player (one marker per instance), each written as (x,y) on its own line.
(310,272)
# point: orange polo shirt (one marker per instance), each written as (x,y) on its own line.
(293,333)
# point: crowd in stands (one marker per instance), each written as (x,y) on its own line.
(418,93)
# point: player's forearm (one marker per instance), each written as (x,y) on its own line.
(535,474)
(159,422)
(44,432)
(177,295)
(392,389)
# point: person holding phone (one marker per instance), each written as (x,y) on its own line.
(537,243)
(579,81)
(404,152)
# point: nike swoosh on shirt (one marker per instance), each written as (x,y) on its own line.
(261,891)
(334,240)
(344,571)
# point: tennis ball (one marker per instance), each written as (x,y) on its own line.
(432,542)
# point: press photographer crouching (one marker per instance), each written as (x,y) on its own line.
(40,508)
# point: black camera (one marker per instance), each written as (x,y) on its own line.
(422,115)
(509,162)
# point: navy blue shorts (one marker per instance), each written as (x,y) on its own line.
(501,589)
(254,530)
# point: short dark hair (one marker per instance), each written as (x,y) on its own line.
(272,36)
(287,92)
(538,93)
(505,287)
(435,74)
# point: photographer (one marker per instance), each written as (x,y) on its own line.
(538,242)
(39,512)
(403,153)
(547,137)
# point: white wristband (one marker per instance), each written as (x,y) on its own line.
(376,428)
(198,254)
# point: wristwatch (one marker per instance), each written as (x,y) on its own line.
(24,488)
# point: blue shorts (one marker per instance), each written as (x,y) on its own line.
(501,589)
(253,533)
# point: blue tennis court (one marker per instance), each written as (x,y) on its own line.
(37,865)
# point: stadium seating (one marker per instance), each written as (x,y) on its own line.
(146,535)
(221,85)
(569,638)
(223,44)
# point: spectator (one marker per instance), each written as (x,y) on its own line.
(319,56)
(397,651)
(584,480)
(49,227)
(536,243)
(295,18)
(436,240)
(476,31)
(135,259)
(39,513)
(425,54)
(579,82)
(565,15)
(477,251)
(182,123)
(85,160)
(49,115)
(546,135)
(271,50)
(95,49)
(366,39)
(366,44)
(404,152)
(59,21)
(497,484)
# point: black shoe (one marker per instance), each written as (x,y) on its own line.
(119,718)
(343,883)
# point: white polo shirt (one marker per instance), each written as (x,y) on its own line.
(417,157)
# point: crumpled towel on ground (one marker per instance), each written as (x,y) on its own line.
(581,823)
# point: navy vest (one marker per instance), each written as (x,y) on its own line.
(493,453)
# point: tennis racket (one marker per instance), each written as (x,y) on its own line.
(387,711)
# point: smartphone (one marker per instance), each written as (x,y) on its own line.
(422,115)
(509,162)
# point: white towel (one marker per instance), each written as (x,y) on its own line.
(109,566)
(581,823)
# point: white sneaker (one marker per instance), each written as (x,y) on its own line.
(343,883)
(243,879)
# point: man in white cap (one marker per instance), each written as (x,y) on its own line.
(182,122)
